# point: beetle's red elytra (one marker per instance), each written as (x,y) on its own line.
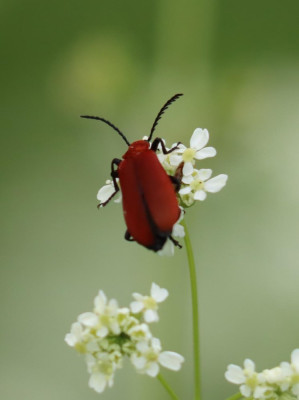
(149,199)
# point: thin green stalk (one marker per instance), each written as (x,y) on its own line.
(235,396)
(167,387)
(195,316)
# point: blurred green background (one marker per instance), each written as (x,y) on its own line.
(237,64)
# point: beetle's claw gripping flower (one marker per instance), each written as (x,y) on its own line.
(278,383)
(109,333)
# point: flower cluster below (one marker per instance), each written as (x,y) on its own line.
(280,382)
(109,333)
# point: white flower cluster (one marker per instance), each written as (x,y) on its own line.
(195,184)
(110,333)
(277,383)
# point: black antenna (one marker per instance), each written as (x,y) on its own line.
(108,123)
(161,112)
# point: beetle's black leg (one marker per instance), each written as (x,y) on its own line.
(175,242)
(158,141)
(129,237)
(176,182)
(114,175)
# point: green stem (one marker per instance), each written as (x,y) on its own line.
(167,387)
(195,317)
(235,396)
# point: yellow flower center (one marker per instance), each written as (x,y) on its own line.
(151,356)
(196,185)
(251,381)
(188,155)
(150,303)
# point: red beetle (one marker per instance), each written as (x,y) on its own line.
(149,198)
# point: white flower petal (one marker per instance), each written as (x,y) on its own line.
(136,307)
(215,184)
(137,296)
(138,362)
(286,368)
(151,316)
(295,359)
(249,365)
(204,174)
(187,179)
(185,190)
(167,250)
(75,335)
(102,332)
(159,294)
(205,153)
(88,319)
(260,391)
(105,192)
(70,339)
(171,360)
(234,374)
(142,347)
(97,381)
(175,160)
(152,369)
(295,389)
(100,302)
(199,138)
(188,168)
(245,390)
(200,195)
(156,345)
(178,230)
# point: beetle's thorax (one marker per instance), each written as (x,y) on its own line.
(137,148)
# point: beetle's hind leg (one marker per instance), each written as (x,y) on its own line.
(129,237)
(114,175)
(175,242)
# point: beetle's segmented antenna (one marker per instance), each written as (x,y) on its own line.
(108,123)
(161,112)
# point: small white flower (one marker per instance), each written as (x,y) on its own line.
(140,332)
(106,312)
(148,305)
(102,371)
(197,150)
(88,319)
(76,335)
(247,377)
(149,356)
(97,382)
(107,191)
(171,360)
(235,374)
(198,184)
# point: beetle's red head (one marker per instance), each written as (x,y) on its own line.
(136,148)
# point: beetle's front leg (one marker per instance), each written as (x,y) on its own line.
(114,175)
(158,141)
